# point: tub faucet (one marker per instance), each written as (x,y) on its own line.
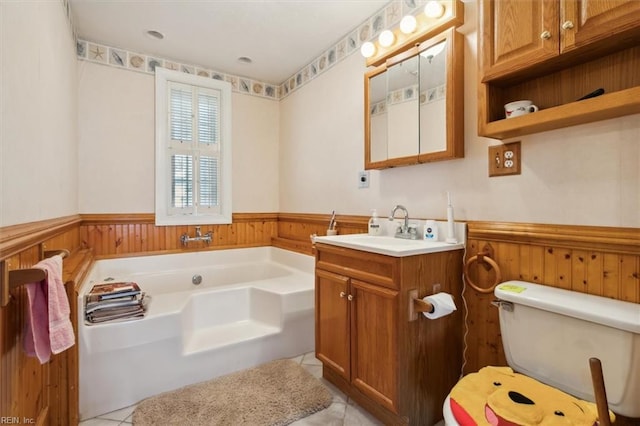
(405,230)
(207,238)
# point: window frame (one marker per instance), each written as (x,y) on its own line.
(165,214)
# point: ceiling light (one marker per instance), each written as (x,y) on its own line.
(368,49)
(408,24)
(386,38)
(155,34)
(433,9)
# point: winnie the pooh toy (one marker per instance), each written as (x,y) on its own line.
(497,396)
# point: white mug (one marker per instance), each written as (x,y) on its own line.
(518,108)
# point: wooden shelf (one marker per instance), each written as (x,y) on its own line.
(611,105)
(598,49)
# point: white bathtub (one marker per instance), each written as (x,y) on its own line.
(253,305)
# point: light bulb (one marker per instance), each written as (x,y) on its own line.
(433,9)
(368,49)
(386,38)
(408,24)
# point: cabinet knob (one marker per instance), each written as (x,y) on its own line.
(343,294)
(546,35)
(567,25)
(350,297)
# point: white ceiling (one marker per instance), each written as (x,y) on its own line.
(280,36)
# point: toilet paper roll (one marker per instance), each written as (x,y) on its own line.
(442,305)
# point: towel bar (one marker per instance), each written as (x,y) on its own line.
(12,279)
(480,258)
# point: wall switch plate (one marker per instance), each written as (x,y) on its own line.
(363,179)
(504,160)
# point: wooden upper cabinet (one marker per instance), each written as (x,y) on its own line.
(585,22)
(526,35)
(514,34)
(554,53)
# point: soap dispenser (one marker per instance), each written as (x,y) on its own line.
(431,230)
(374,224)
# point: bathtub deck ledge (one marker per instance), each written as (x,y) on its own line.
(225,335)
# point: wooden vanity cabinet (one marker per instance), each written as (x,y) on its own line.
(398,369)
(553,52)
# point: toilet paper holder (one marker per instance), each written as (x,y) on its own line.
(417,305)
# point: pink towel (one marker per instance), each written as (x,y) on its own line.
(36,334)
(49,328)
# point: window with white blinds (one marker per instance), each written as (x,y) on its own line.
(193,147)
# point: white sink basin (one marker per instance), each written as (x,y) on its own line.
(390,246)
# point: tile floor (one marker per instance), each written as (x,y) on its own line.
(342,412)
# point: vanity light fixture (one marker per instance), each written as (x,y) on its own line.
(386,38)
(368,49)
(408,24)
(413,29)
(433,9)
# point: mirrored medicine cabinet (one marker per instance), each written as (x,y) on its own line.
(414,104)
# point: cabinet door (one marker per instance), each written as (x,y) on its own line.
(587,21)
(332,321)
(516,34)
(374,342)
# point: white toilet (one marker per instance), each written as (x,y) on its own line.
(549,334)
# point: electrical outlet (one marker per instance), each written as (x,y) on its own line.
(363,179)
(504,159)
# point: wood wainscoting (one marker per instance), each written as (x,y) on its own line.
(603,261)
(594,260)
(117,235)
(44,394)
(597,260)
(295,229)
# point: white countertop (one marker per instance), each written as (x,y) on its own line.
(390,246)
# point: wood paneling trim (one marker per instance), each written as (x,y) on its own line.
(609,239)
(114,235)
(294,229)
(18,238)
(293,245)
(76,266)
(149,218)
(350,221)
(602,261)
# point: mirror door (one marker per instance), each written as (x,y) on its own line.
(403,109)
(377,105)
(433,103)
(414,105)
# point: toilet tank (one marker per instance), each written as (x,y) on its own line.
(550,334)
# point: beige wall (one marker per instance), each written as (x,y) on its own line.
(38,118)
(116,154)
(586,175)
(79,139)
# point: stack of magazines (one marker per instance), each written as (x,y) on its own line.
(118,301)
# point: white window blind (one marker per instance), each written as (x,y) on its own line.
(208,118)
(181,114)
(194,151)
(181,181)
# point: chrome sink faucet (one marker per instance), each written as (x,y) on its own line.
(405,230)
(207,238)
